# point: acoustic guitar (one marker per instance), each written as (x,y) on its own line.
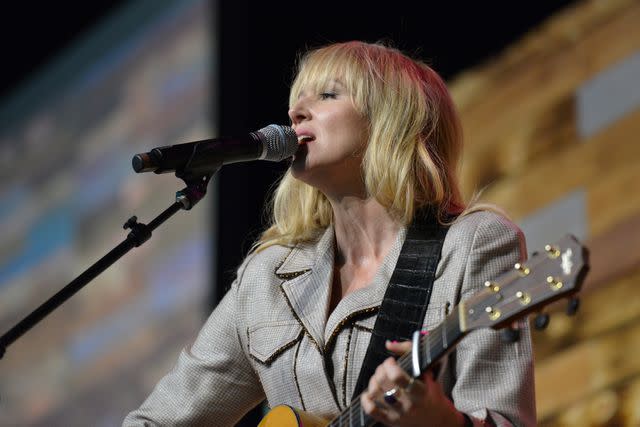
(545,277)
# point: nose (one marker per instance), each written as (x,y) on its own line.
(299,112)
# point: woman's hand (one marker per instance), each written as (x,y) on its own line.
(394,399)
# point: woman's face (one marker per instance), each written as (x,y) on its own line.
(332,136)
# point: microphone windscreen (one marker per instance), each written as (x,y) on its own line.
(280,142)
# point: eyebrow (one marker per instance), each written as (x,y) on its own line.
(337,82)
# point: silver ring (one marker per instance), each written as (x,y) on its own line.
(390,396)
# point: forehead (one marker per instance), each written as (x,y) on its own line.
(312,86)
(316,77)
(324,65)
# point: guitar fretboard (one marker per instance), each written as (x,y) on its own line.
(433,346)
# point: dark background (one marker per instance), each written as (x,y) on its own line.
(454,34)
(258,45)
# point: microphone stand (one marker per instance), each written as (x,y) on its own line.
(185,199)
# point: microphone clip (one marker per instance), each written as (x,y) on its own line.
(194,192)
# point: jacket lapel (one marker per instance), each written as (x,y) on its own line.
(307,274)
(365,301)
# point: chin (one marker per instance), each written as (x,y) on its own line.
(313,176)
(301,167)
(298,166)
(301,173)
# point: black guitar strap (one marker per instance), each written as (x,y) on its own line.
(407,296)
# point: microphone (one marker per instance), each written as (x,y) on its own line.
(273,143)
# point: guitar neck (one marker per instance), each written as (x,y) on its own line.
(433,346)
(436,343)
(547,276)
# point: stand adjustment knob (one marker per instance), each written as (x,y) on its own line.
(131,222)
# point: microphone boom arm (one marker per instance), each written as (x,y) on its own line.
(185,199)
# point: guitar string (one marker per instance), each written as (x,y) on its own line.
(450,328)
(405,361)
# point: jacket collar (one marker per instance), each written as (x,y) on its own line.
(303,256)
(307,273)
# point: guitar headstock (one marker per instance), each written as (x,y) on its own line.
(547,276)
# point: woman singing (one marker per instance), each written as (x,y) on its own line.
(379,146)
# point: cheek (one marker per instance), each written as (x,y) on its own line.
(358,126)
(358,135)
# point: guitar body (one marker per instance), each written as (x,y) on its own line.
(286,416)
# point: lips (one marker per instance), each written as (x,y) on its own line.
(304,136)
(303,139)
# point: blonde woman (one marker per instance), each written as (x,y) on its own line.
(379,141)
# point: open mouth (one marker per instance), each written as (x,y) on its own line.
(303,139)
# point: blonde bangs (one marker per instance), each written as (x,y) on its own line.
(319,69)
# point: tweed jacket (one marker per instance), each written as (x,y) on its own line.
(272,336)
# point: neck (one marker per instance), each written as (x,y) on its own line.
(364,230)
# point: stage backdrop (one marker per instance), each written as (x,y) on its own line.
(140,80)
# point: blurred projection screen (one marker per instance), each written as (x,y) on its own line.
(141,79)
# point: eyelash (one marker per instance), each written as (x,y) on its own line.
(327,95)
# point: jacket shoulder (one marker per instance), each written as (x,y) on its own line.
(484,225)
(262,265)
(482,231)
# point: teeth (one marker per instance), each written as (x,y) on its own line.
(303,138)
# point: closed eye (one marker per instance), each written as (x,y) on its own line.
(328,95)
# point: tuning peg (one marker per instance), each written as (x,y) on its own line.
(542,321)
(522,269)
(510,334)
(552,251)
(573,305)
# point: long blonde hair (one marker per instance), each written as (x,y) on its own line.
(414,147)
